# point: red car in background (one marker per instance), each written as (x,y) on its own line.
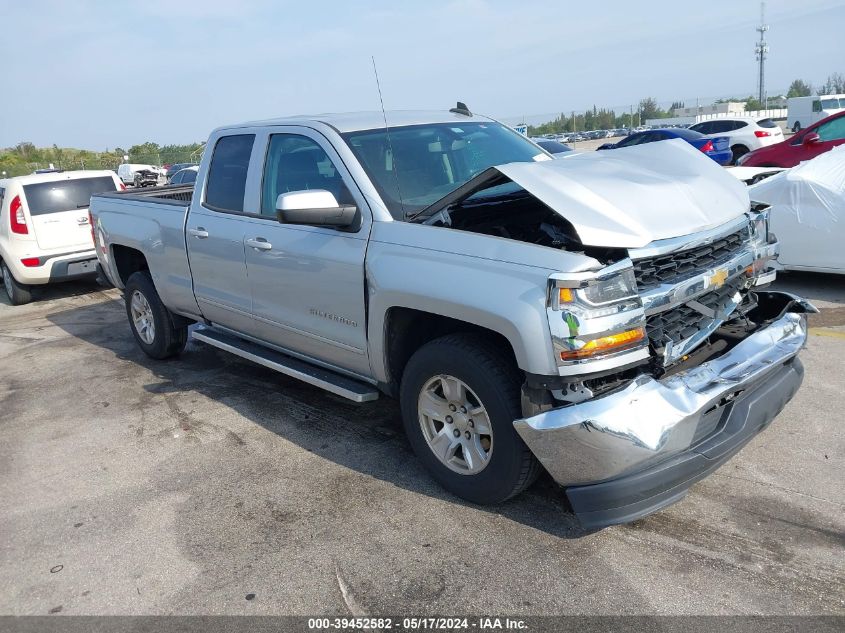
(806,144)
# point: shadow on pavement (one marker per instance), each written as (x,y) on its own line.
(367,438)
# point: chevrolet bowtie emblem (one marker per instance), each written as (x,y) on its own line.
(718,278)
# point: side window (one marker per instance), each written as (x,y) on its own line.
(817,106)
(634,139)
(700,128)
(226,182)
(177,179)
(298,163)
(832,130)
(2,195)
(189,176)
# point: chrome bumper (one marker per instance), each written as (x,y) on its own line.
(650,421)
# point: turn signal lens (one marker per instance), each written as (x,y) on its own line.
(565,295)
(611,342)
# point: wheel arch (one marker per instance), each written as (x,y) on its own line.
(407,329)
(127,260)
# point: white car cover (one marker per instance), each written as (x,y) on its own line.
(808,212)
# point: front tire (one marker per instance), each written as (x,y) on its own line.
(153,325)
(18,293)
(459,397)
(796,128)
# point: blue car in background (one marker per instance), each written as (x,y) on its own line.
(717,148)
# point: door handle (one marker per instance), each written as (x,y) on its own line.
(198,232)
(259,244)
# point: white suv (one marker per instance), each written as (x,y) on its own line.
(45,229)
(745,133)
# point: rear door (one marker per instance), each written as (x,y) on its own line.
(215,236)
(58,211)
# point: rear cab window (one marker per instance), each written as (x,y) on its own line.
(226,181)
(766,123)
(64,195)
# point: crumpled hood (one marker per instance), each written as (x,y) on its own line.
(629,197)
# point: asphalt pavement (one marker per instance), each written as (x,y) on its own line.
(208,485)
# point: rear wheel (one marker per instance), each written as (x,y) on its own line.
(797,127)
(153,325)
(737,151)
(18,293)
(459,398)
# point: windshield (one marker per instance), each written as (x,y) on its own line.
(434,159)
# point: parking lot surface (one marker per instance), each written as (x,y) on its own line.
(207,485)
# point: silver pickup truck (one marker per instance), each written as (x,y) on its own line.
(600,316)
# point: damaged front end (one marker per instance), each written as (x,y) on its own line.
(672,355)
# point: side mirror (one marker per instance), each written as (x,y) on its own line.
(316,207)
(811,138)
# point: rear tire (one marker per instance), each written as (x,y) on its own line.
(153,325)
(482,460)
(737,151)
(18,293)
(796,128)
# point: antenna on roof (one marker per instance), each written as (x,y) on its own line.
(389,143)
(461,108)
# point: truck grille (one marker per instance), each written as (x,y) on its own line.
(680,323)
(674,267)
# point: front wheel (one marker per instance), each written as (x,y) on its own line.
(18,293)
(459,396)
(796,128)
(152,324)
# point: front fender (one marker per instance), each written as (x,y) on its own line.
(469,277)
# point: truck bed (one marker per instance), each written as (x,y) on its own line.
(179,195)
(151,222)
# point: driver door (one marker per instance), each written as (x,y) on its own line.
(307,282)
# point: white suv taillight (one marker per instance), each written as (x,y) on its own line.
(17,220)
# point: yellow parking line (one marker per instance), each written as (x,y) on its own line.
(821,331)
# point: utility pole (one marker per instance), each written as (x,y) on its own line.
(761,49)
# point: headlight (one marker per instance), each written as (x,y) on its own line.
(605,294)
(595,316)
(764,243)
(759,223)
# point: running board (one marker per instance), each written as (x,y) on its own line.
(287,365)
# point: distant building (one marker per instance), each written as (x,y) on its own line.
(728,108)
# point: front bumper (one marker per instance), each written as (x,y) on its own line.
(629,453)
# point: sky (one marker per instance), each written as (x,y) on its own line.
(103,74)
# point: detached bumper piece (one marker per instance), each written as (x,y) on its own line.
(634,451)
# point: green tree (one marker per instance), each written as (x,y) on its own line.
(800,88)
(835,84)
(752,104)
